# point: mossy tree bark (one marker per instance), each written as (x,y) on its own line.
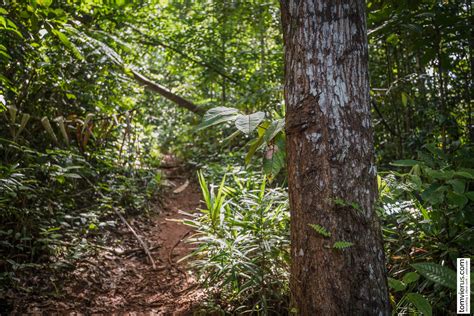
(331,168)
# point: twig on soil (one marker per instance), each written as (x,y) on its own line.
(90,244)
(170,254)
(142,243)
(131,252)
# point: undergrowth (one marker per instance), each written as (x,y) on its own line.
(242,244)
(57,205)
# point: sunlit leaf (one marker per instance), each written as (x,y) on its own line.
(437,273)
(218,115)
(248,123)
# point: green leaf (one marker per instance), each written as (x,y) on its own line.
(274,159)
(72,175)
(456,199)
(405,163)
(421,303)
(410,277)
(404,99)
(248,123)
(342,244)
(458,185)
(470,195)
(274,128)
(437,273)
(65,40)
(396,285)
(465,173)
(320,230)
(434,194)
(216,116)
(439,174)
(255,144)
(44,3)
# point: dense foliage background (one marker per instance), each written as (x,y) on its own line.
(81,138)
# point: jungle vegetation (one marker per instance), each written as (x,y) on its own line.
(93,95)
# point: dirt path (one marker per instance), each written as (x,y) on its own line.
(127,284)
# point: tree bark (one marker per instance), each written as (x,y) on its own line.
(331,168)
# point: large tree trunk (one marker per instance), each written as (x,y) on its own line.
(331,169)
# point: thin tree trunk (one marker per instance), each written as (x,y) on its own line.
(331,168)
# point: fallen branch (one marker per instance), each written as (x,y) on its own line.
(155,87)
(131,252)
(142,243)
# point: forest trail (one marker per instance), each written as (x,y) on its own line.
(128,284)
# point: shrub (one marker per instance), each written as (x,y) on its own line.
(427,210)
(242,243)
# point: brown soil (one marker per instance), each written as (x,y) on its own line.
(127,284)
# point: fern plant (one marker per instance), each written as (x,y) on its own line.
(320,230)
(341,245)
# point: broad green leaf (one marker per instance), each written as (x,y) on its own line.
(470,195)
(274,128)
(434,194)
(458,185)
(217,115)
(459,200)
(65,40)
(421,303)
(396,285)
(437,152)
(274,158)
(44,3)
(262,128)
(437,273)
(248,123)
(404,98)
(465,173)
(410,277)
(273,161)
(439,174)
(255,144)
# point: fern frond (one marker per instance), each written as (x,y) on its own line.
(320,230)
(342,244)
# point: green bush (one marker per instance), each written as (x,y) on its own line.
(428,219)
(55,204)
(242,243)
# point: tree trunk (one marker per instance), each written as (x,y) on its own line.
(331,168)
